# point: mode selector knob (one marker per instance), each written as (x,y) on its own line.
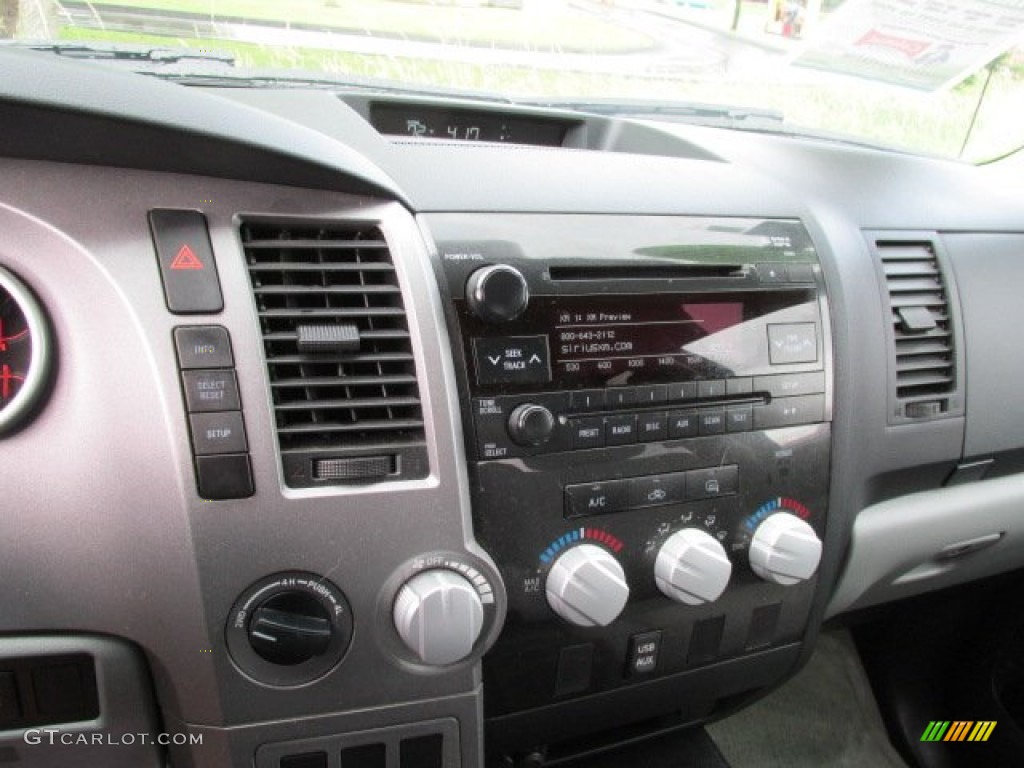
(587,587)
(439,615)
(785,549)
(692,567)
(531,424)
(497,293)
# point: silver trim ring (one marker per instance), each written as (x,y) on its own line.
(39,361)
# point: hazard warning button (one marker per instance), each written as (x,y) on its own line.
(189,274)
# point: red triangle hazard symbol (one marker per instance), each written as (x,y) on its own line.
(186,259)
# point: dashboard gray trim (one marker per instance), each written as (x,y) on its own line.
(897,546)
(94,113)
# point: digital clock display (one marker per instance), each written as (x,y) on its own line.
(445,123)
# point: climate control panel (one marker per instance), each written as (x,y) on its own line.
(699,552)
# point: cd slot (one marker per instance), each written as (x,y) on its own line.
(648,272)
(724,402)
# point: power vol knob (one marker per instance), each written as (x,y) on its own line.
(498,293)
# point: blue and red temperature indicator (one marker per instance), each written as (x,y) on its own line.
(577,535)
(778,504)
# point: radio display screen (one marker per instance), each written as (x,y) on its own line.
(638,334)
(582,341)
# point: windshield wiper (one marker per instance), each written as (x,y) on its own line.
(718,115)
(124,53)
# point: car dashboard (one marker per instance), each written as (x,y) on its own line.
(369,429)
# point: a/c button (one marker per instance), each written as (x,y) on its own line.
(596,498)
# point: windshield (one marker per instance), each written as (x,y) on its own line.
(928,76)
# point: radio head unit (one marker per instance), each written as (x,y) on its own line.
(647,410)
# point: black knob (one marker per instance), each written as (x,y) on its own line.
(531,424)
(497,293)
(290,628)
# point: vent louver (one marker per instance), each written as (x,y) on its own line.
(924,355)
(339,356)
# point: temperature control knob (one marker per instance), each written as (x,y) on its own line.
(785,549)
(438,615)
(530,424)
(497,293)
(587,587)
(692,567)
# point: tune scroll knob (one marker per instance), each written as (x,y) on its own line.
(438,614)
(785,549)
(497,293)
(587,587)
(531,424)
(692,567)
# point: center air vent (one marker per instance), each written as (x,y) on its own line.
(339,357)
(923,357)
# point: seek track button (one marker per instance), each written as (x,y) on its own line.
(512,360)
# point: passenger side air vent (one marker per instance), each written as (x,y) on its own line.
(339,356)
(923,358)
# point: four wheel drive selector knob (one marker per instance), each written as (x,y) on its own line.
(587,587)
(785,549)
(439,615)
(497,293)
(692,567)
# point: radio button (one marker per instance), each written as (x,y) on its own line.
(711,422)
(742,385)
(621,397)
(712,482)
(651,394)
(790,411)
(587,433)
(682,424)
(657,490)
(792,343)
(586,400)
(791,384)
(682,390)
(596,498)
(620,430)
(651,427)
(711,389)
(739,419)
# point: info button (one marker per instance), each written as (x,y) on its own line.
(596,498)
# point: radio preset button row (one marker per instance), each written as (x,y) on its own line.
(797,398)
(650,491)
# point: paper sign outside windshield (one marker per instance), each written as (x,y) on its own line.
(922,44)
